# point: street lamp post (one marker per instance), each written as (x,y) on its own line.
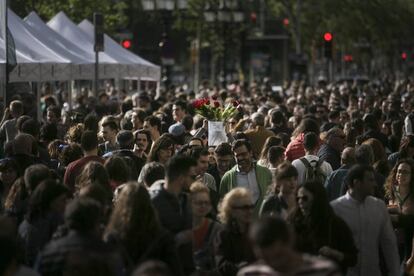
(165,7)
(227,13)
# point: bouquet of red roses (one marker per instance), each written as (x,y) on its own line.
(213,110)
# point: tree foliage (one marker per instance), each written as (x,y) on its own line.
(381,23)
(76,10)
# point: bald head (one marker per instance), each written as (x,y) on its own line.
(348,156)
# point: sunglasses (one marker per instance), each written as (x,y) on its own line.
(244,207)
(304,198)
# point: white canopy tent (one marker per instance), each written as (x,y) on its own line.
(35,60)
(139,68)
(82,61)
(109,66)
(22,61)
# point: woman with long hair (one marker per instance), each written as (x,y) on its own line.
(135,230)
(380,165)
(270,142)
(9,172)
(204,229)
(399,191)
(161,150)
(44,214)
(318,230)
(232,247)
(281,195)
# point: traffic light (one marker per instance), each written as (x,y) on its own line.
(126,43)
(328,38)
(253,17)
(348,58)
(98,22)
(404,56)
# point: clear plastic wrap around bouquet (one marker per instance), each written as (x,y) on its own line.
(217,115)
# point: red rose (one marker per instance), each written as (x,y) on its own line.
(214,97)
(216,104)
(235,103)
(196,104)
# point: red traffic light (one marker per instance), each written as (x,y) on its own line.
(348,58)
(286,21)
(404,55)
(327,37)
(253,17)
(126,43)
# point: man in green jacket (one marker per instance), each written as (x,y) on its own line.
(246,174)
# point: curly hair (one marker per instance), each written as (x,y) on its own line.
(70,153)
(55,148)
(229,200)
(392,179)
(74,134)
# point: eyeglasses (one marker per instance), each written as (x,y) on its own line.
(303,198)
(246,207)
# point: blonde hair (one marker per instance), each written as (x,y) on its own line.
(229,200)
(198,188)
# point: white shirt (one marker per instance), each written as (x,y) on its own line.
(371,228)
(312,159)
(248,181)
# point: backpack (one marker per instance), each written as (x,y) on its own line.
(313,173)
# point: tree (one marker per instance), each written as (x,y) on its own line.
(76,10)
(381,23)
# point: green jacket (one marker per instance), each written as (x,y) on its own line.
(263,176)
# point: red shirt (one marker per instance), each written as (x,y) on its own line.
(75,168)
(295,148)
(199,235)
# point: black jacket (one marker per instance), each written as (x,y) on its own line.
(330,155)
(161,248)
(232,251)
(174,212)
(75,249)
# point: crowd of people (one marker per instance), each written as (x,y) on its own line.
(313,180)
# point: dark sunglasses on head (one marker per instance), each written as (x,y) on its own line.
(244,207)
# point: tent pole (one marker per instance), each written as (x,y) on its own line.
(158,90)
(139,85)
(70,94)
(38,98)
(95,83)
